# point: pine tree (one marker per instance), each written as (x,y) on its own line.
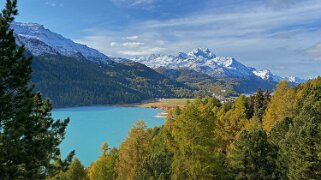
(76,171)
(29,137)
(259,103)
(157,164)
(301,149)
(267,99)
(253,157)
(276,137)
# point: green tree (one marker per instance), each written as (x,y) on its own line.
(253,157)
(157,164)
(29,137)
(300,150)
(105,167)
(277,136)
(259,104)
(267,99)
(76,171)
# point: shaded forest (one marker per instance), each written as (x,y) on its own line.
(75,81)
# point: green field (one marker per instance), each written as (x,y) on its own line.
(166,104)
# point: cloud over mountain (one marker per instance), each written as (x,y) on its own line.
(256,32)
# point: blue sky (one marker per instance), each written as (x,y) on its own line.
(281,35)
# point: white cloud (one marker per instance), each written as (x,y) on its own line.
(144,51)
(258,36)
(315,52)
(131,37)
(132,44)
(146,4)
(113,44)
(54,4)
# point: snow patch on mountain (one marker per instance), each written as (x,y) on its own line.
(266,74)
(293,79)
(39,40)
(203,60)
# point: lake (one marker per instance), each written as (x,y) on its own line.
(90,127)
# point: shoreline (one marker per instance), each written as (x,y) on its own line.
(163,104)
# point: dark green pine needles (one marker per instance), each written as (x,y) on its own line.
(29,137)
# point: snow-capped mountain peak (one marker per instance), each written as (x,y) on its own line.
(201,60)
(202,53)
(182,55)
(294,79)
(204,61)
(264,74)
(39,40)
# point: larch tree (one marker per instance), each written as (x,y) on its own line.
(194,147)
(283,104)
(229,124)
(29,137)
(105,166)
(133,151)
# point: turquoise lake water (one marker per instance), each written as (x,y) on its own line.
(90,127)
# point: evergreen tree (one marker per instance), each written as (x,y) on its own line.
(277,136)
(76,171)
(301,149)
(29,137)
(279,131)
(157,164)
(267,99)
(253,157)
(259,103)
(251,107)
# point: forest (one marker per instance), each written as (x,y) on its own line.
(257,137)
(70,81)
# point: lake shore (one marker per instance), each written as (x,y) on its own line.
(164,104)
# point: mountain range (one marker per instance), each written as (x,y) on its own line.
(204,61)
(39,40)
(73,74)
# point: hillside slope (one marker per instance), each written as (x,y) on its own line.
(69,81)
